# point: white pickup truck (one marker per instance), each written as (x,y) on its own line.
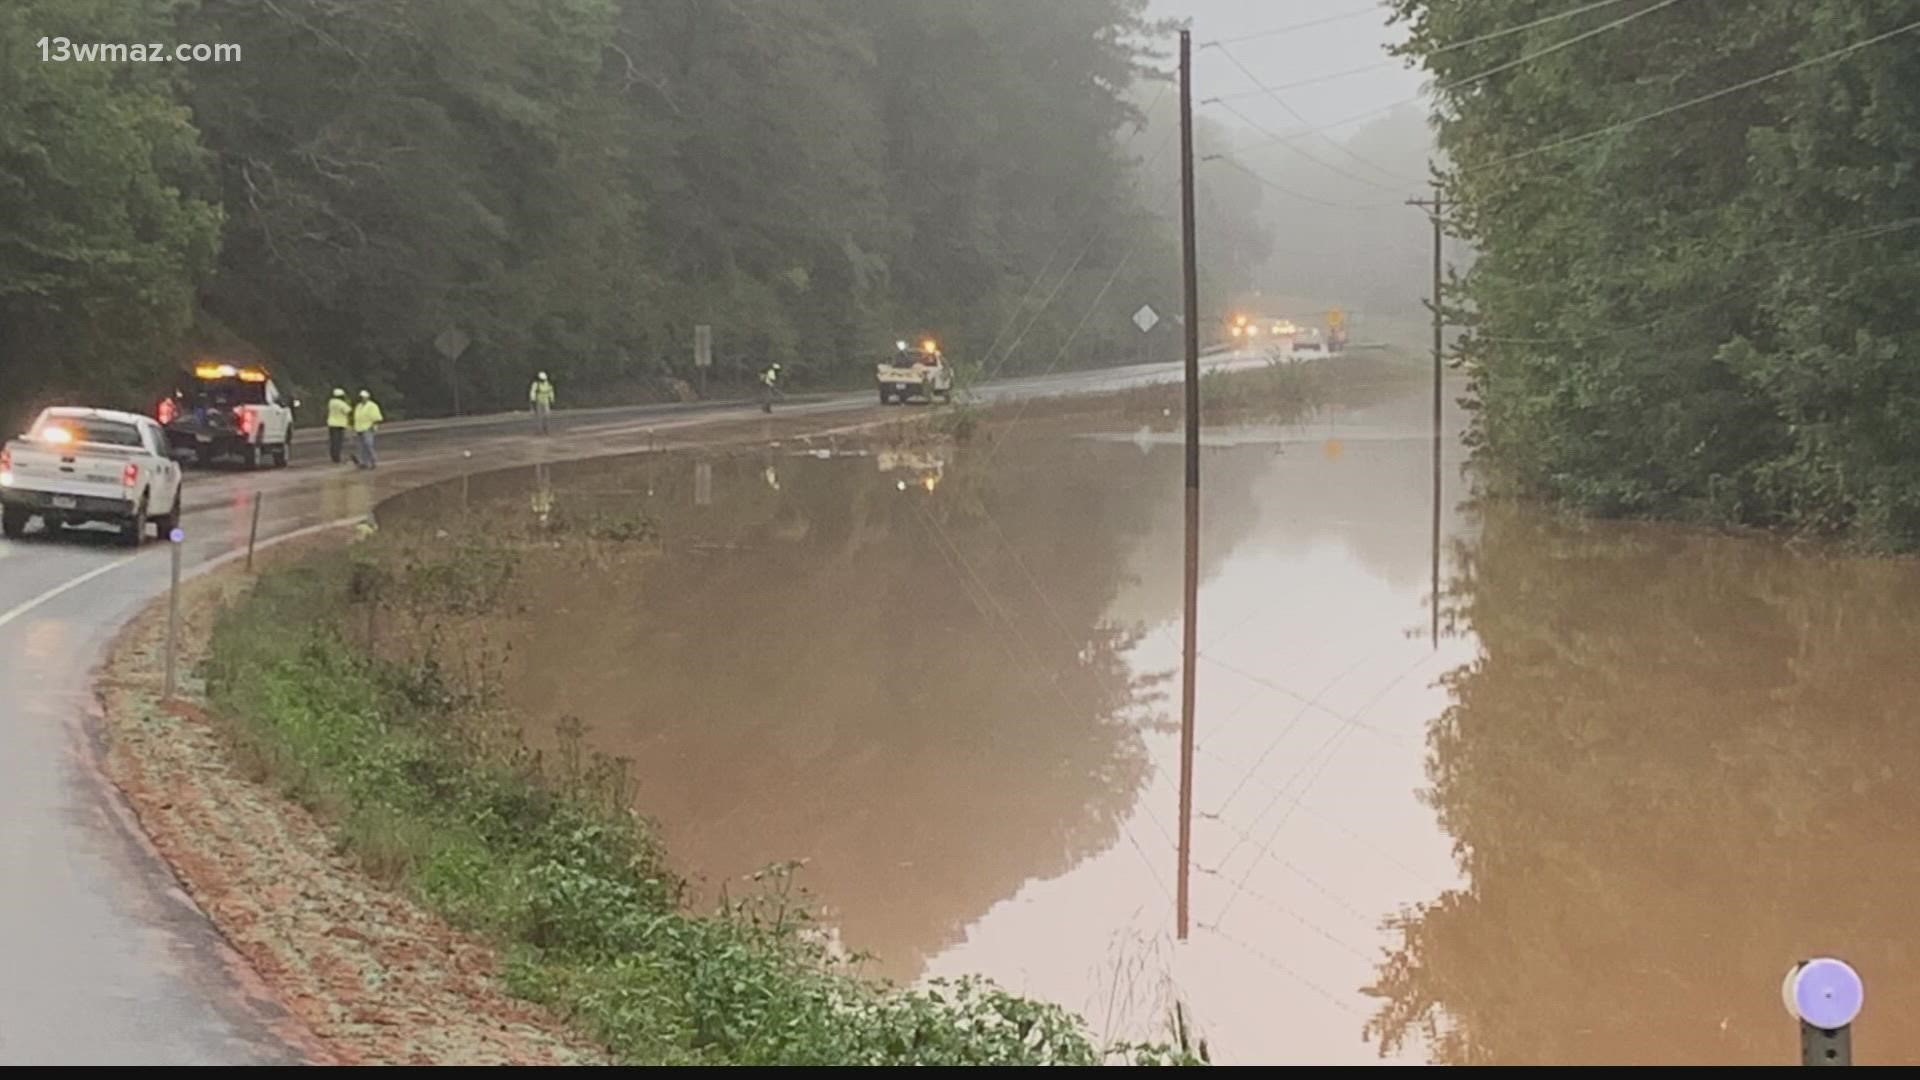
(911,373)
(77,466)
(219,410)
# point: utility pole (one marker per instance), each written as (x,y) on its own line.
(1436,207)
(1191,327)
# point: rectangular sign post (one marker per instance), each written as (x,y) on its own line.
(703,353)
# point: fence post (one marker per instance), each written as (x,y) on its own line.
(253,534)
(174,540)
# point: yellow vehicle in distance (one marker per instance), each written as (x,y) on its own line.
(915,372)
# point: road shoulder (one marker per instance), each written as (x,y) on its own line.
(373,977)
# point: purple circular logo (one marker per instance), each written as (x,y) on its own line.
(177,535)
(1826,993)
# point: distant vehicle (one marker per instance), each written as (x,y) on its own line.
(77,466)
(1310,350)
(910,372)
(219,410)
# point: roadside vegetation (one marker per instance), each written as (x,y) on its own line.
(413,763)
(572,185)
(1692,295)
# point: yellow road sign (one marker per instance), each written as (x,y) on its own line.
(1336,317)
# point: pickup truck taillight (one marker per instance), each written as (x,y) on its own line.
(6,467)
(243,420)
(130,475)
(166,412)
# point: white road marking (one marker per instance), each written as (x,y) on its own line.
(217,561)
(58,590)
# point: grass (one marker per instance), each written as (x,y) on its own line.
(421,777)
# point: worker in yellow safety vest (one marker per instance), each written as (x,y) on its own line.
(366,419)
(540,396)
(339,416)
(769,385)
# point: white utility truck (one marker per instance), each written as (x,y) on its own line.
(911,373)
(78,466)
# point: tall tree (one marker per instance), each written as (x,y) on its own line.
(107,222)
(1688,307)
(576,183)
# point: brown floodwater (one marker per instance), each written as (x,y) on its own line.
(1586,812)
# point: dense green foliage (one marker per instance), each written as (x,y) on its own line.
(399,755)
(573,184)
(1709,314)
(107,212)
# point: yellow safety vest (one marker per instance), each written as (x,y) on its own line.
(339,413)
(541,393)
(365,415)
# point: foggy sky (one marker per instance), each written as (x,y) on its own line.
(1305,54)
(1334,205)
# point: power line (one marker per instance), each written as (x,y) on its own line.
(952,553)
(1328,165)
(1325,818)
(1282,908)
(1067,276)
(1033,288)
(1314,81)
(1349,723)
(1308,25)
(1466,80)
(1748,84)
(1092,307)
(1450,47)
(1542,21)
(1296,114)
(955,557)
(1291,193)
(1527,58)
(1281,966)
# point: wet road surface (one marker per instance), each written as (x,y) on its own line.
(105,959)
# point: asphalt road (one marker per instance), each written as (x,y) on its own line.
(103,958)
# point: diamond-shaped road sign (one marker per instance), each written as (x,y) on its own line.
(1146,318)
(452,342)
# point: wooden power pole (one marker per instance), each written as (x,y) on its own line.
(1190,645)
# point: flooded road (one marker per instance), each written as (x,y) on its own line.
(1587,811)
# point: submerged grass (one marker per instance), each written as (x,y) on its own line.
(422,779)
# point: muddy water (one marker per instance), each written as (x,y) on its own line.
(1588,811)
